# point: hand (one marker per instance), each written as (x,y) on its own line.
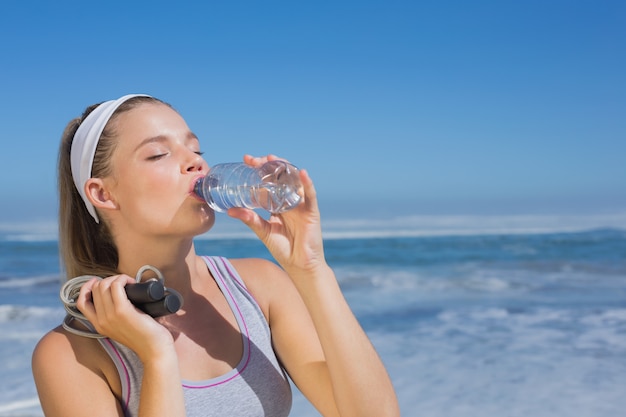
(105,304)
(294,238)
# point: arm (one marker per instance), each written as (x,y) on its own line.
(324,348)
(70,379)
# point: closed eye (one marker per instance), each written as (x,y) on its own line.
(156,157)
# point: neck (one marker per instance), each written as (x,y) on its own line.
(176,260)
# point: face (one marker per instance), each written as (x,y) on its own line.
(155,165)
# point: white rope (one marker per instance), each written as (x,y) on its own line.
(69,295)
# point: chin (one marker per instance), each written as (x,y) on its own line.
(193,222)
(208,220)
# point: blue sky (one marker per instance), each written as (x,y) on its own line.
(396,108)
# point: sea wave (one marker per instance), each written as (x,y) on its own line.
(35,231)
(366,227)
(463,225)
(21,313)
(492,360)
(22,282)
(20,405)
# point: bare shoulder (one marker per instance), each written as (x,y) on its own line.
(255,268)
(55,348)
(63,363)
(265,280)
(260,274)
(60,350)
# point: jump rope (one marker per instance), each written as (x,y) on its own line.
(151,297)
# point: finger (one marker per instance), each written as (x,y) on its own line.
(260,160)
(86,289)
(109,295)
(118,294)
(272,157)
(101,298)
(84,302)
(251,219)
(254,161)
(310,194)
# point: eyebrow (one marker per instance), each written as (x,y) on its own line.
(163,138)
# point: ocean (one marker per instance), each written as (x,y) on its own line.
(473,324)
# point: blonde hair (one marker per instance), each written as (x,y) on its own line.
(87,247)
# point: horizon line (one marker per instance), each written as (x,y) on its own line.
(368,228)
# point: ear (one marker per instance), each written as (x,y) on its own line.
(99,195)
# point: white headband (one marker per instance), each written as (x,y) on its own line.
(85,142)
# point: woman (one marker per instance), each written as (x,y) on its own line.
(126,174)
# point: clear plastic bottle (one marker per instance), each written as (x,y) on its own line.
(273,186)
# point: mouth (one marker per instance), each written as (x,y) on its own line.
(192,188)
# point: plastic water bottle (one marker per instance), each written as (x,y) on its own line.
(273,186)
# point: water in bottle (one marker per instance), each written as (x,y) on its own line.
(273,186)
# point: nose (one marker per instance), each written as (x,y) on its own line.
(195,163)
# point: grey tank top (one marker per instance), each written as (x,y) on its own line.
(258,385)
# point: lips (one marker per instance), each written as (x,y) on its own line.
(192,187)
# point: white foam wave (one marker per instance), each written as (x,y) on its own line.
(490,360)
(419,283)
(30,281)
(12,313)
(30,336)
(403,226)
(381,279)
(419,225)
(19,405)
(36,231)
